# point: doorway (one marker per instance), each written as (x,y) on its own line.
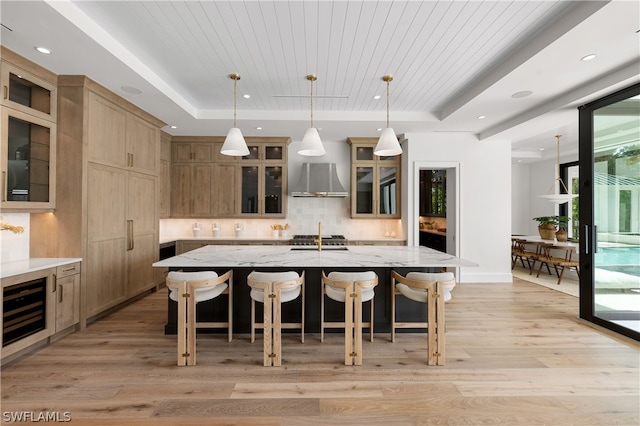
(444,214)
(610,212)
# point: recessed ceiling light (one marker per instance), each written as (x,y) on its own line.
(588,57)
(522,94)
(246,96)
(258,128)
(130,89)
(379,129)
(541,149)
(43,50)
(173,126)
(482,117)
(376,97)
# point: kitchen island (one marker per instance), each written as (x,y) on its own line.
(244,259)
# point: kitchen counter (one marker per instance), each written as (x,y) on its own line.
(25,266)
(244,259)
(223,256)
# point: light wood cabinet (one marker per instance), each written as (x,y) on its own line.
(253,185)
(37,305)
(375,181)
(164,190)
(27,135)
(27,87)
(262,179)
(119,138)
(67,295)
(109,152)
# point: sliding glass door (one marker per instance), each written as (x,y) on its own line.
(610,212)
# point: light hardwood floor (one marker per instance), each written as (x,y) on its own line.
(516,355)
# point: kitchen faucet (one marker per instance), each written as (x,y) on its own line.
(319,239)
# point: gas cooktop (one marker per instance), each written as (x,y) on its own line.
(308,240)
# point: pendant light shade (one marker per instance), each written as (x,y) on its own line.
(234,144)
(554,194)
(388,144)
(311,144)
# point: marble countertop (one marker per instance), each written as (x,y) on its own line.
(167,240)
(222,256)
(19,267)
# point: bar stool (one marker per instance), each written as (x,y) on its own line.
(279,287)
(205,285)
(352,289)
(433,289)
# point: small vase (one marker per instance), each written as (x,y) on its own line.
(561,235)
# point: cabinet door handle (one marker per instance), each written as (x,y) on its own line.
(131,160)
(129,235)
(61,296)
(72,268)
(5,91)
(55,280)
(5,185)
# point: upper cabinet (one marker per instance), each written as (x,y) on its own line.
(375,181)
(205,183)
(28,88)
(119,138)
(28,135)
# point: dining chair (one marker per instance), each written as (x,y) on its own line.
(272,289)
(189,289)
(352,289)
(433,290)
(563,261)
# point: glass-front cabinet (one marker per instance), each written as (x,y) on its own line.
(28,171)
(375,181)
(28,135)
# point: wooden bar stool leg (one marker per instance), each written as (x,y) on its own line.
(182,324)
(357,326)
(371,320)
(253,321)
(348,328)
(191,325)
(276,353)
(267,335)
(440,325)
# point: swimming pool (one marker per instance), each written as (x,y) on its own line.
(622,259)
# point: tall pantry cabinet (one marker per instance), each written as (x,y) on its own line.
(108,193)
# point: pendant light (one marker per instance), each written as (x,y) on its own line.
(234,144)
(388,144)
(311,144)
(554,194)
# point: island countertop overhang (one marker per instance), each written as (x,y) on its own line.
(229,256)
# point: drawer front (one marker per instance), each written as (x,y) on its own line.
(67,270)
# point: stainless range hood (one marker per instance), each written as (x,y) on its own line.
(319,180)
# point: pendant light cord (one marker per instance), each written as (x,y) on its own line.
(235,83)
(311,101)
(566,190)
(388,103)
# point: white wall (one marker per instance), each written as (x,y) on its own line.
(485,198)
(14,246)
(528,182)
(520,202)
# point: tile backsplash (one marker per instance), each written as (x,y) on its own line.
(303,217)
(14,246)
